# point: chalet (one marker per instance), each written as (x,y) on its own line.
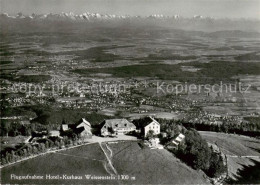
(82,128)
(146,124)
(116,127)
(174,143)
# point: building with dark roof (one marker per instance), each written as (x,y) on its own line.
(82,128)
(146,124)
(116,127)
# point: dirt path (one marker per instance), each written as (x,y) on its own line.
(111,152)
(108,166)
(244,156)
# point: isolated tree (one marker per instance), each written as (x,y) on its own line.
(30,150)
(74,142)
(34,150)
(47,144)
(150,134)
(57,143)
(171,130)
(61,143)
(51,144)
(70,142)
(42,147)
(13,156)
(28,131)
(20,153)
(5,127)
(9,157)
(74,136)
(3,161)
(65,140)
(25,152)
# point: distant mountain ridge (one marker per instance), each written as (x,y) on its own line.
(98,16)
(196,23)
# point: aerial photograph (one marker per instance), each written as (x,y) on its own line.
(130,92)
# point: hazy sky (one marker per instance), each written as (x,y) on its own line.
(186,8)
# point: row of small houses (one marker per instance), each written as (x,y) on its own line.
(111,127)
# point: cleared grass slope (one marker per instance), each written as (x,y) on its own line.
(78,161)
(152,166)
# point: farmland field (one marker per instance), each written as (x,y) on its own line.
(215,70)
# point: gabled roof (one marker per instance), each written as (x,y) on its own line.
(143,122)
(81,129)
(81,123)
(117,123)
(174,142)
(179,138)
(82,120)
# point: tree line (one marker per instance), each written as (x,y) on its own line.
(10,155)
(244,128)
(250,127)
(16,128)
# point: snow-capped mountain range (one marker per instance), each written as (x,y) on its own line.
(48,21)
(91,16)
